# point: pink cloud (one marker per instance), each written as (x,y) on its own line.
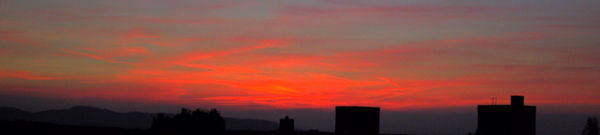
(359,13)
(109,56)
(304,56)
(138,33)
(22,74)
(177,42)
(6,52)
(19,37)
(574,26)
(357,8)
(190,57)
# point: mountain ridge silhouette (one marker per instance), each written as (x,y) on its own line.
(93,116)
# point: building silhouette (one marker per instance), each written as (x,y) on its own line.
(286,125)
(355,120)
(513,119)
(591,127)
(189,122)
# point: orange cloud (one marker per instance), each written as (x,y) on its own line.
(305,55)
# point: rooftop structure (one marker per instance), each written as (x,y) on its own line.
(513,119)
(355,120)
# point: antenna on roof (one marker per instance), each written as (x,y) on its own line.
(494,100)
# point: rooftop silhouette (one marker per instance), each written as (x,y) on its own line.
(356,120)
(286,125)
(513,119)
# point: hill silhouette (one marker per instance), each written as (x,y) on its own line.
(98,117)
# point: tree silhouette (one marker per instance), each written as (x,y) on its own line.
(591,127)
(189,122)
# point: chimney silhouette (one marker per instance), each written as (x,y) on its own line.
(517,100)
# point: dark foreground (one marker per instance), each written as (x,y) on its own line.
(42,128)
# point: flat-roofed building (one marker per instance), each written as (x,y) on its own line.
(356,120)
(513,119)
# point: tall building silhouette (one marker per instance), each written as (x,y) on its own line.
(355,120)
(513,119)
(286,125)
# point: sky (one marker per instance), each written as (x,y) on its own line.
(302,54)
(422,59)
(310,54)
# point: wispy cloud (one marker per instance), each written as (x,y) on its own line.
(22,74)
(300,54)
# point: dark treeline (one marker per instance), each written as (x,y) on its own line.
(591,127)
(189,122)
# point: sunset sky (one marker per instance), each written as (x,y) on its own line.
(292,54)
